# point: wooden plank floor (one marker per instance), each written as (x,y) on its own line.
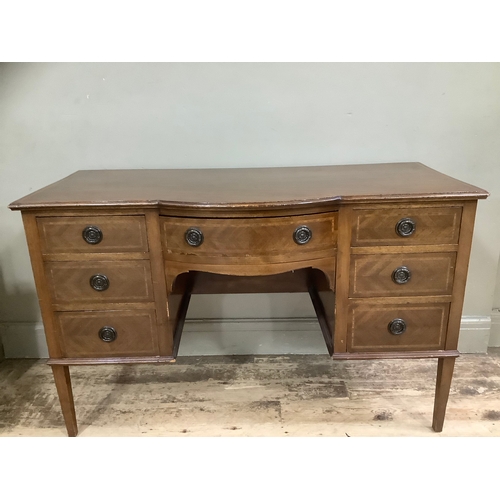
(307,395)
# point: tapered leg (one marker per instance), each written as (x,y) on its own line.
(63,384)
(443,383)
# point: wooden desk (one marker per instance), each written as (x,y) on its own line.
(383,251)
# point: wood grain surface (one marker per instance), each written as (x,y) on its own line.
(259,240)
(368,326)
(430,274)
(136,333)
(248,218)
(129,281)
(119,234)
(249,188)
(434,226)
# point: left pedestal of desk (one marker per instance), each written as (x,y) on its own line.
(100,281)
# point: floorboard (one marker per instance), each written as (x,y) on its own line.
(296,395)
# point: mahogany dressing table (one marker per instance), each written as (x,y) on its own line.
(382,249)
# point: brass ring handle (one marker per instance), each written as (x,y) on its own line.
(194,237)
(99,282)
(302,235)
(92,235)
(401,275)
(397,326)
(406,227)
(107,334)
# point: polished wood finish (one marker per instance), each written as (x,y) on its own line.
(321,292)
(129,281)
(342,280)
(421,249)
(443,384)
(243,241)
(368,326)
(127,360)
(462,266)
(291,281)
(164,325)
(42,285)
(397,355)
(62,380)
(136,333)
(88,257)
(248,218)
(327,266)
(119,234)
(247,189)
(181,314)
(430,274)
(434,226)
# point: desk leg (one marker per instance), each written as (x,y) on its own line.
(63,385)
(443,383)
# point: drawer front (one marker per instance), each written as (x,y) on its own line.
(406,226)
(402,274)
(100,281)
(92,234)
(108,333)
(414,327)
(270,239)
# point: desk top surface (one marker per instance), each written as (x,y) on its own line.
(244,188)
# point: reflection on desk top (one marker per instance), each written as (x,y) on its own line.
(250,188)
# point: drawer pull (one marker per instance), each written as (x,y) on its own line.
(107,334)
(406,227)
(194,237)
(99,282)
(92,235)
(401,275)
(302,235)
(397,326)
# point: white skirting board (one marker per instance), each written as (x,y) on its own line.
(495,329)
(248,336)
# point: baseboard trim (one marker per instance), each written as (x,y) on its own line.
(24,340)
(248,336)
(495,329)
(474,334)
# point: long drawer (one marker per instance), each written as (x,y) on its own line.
(398,326)
(108,333)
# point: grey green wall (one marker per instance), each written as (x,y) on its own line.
(58,118)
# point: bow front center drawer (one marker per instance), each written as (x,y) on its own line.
(270,239)
(93,234)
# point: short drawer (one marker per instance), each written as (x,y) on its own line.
(396,326)
(100,281)
(406,226)
(108,333)
(92,234)
(266,239)
(402,274)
